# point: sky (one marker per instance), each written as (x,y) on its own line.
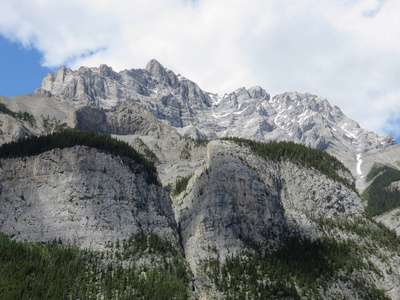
(347,51)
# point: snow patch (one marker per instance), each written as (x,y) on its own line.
(220,116)
(216,98)
(306,118)
(240,112)
(348,133)
(359,162)
(181,78)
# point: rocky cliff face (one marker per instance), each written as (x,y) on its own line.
(391,220)
(234,199)
(80,196)
(158,90)
(125,119)
(237,196)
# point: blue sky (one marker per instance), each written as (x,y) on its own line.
(347,51)
(21,70)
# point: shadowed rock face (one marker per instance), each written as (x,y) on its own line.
(124,119)
(131,118)
(92,119)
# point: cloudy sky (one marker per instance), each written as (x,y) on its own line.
(347,51)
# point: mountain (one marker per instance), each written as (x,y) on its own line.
(261,198)
(249,113)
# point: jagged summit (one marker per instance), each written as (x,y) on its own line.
(155,68)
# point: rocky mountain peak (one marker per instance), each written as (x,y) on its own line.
(258,92)
(159,72)
(156,69)
(53,81)
(85,71)
(105,70)
(63,72)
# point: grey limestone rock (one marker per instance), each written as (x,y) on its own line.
(82,197)
(124,119)
(11,129)
(236,197)
(391,220)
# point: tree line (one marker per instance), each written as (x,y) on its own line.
(66,138)
(304,156)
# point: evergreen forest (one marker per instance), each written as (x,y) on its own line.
(379,195)
(302,268)
(53,271)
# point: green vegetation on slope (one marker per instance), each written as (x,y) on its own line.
(24,116)
(49,124)
(197,142)
(146,150)
(52,271)
(373,234)
(181,185)
(379,196)
(299,154)
(186,152)
(65,138)
(301,269)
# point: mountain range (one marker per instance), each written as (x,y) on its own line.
(263,197)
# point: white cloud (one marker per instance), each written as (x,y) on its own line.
(347,50)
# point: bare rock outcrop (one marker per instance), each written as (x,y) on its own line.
(11,129)
(124,119)
(391,220)
(82,197)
